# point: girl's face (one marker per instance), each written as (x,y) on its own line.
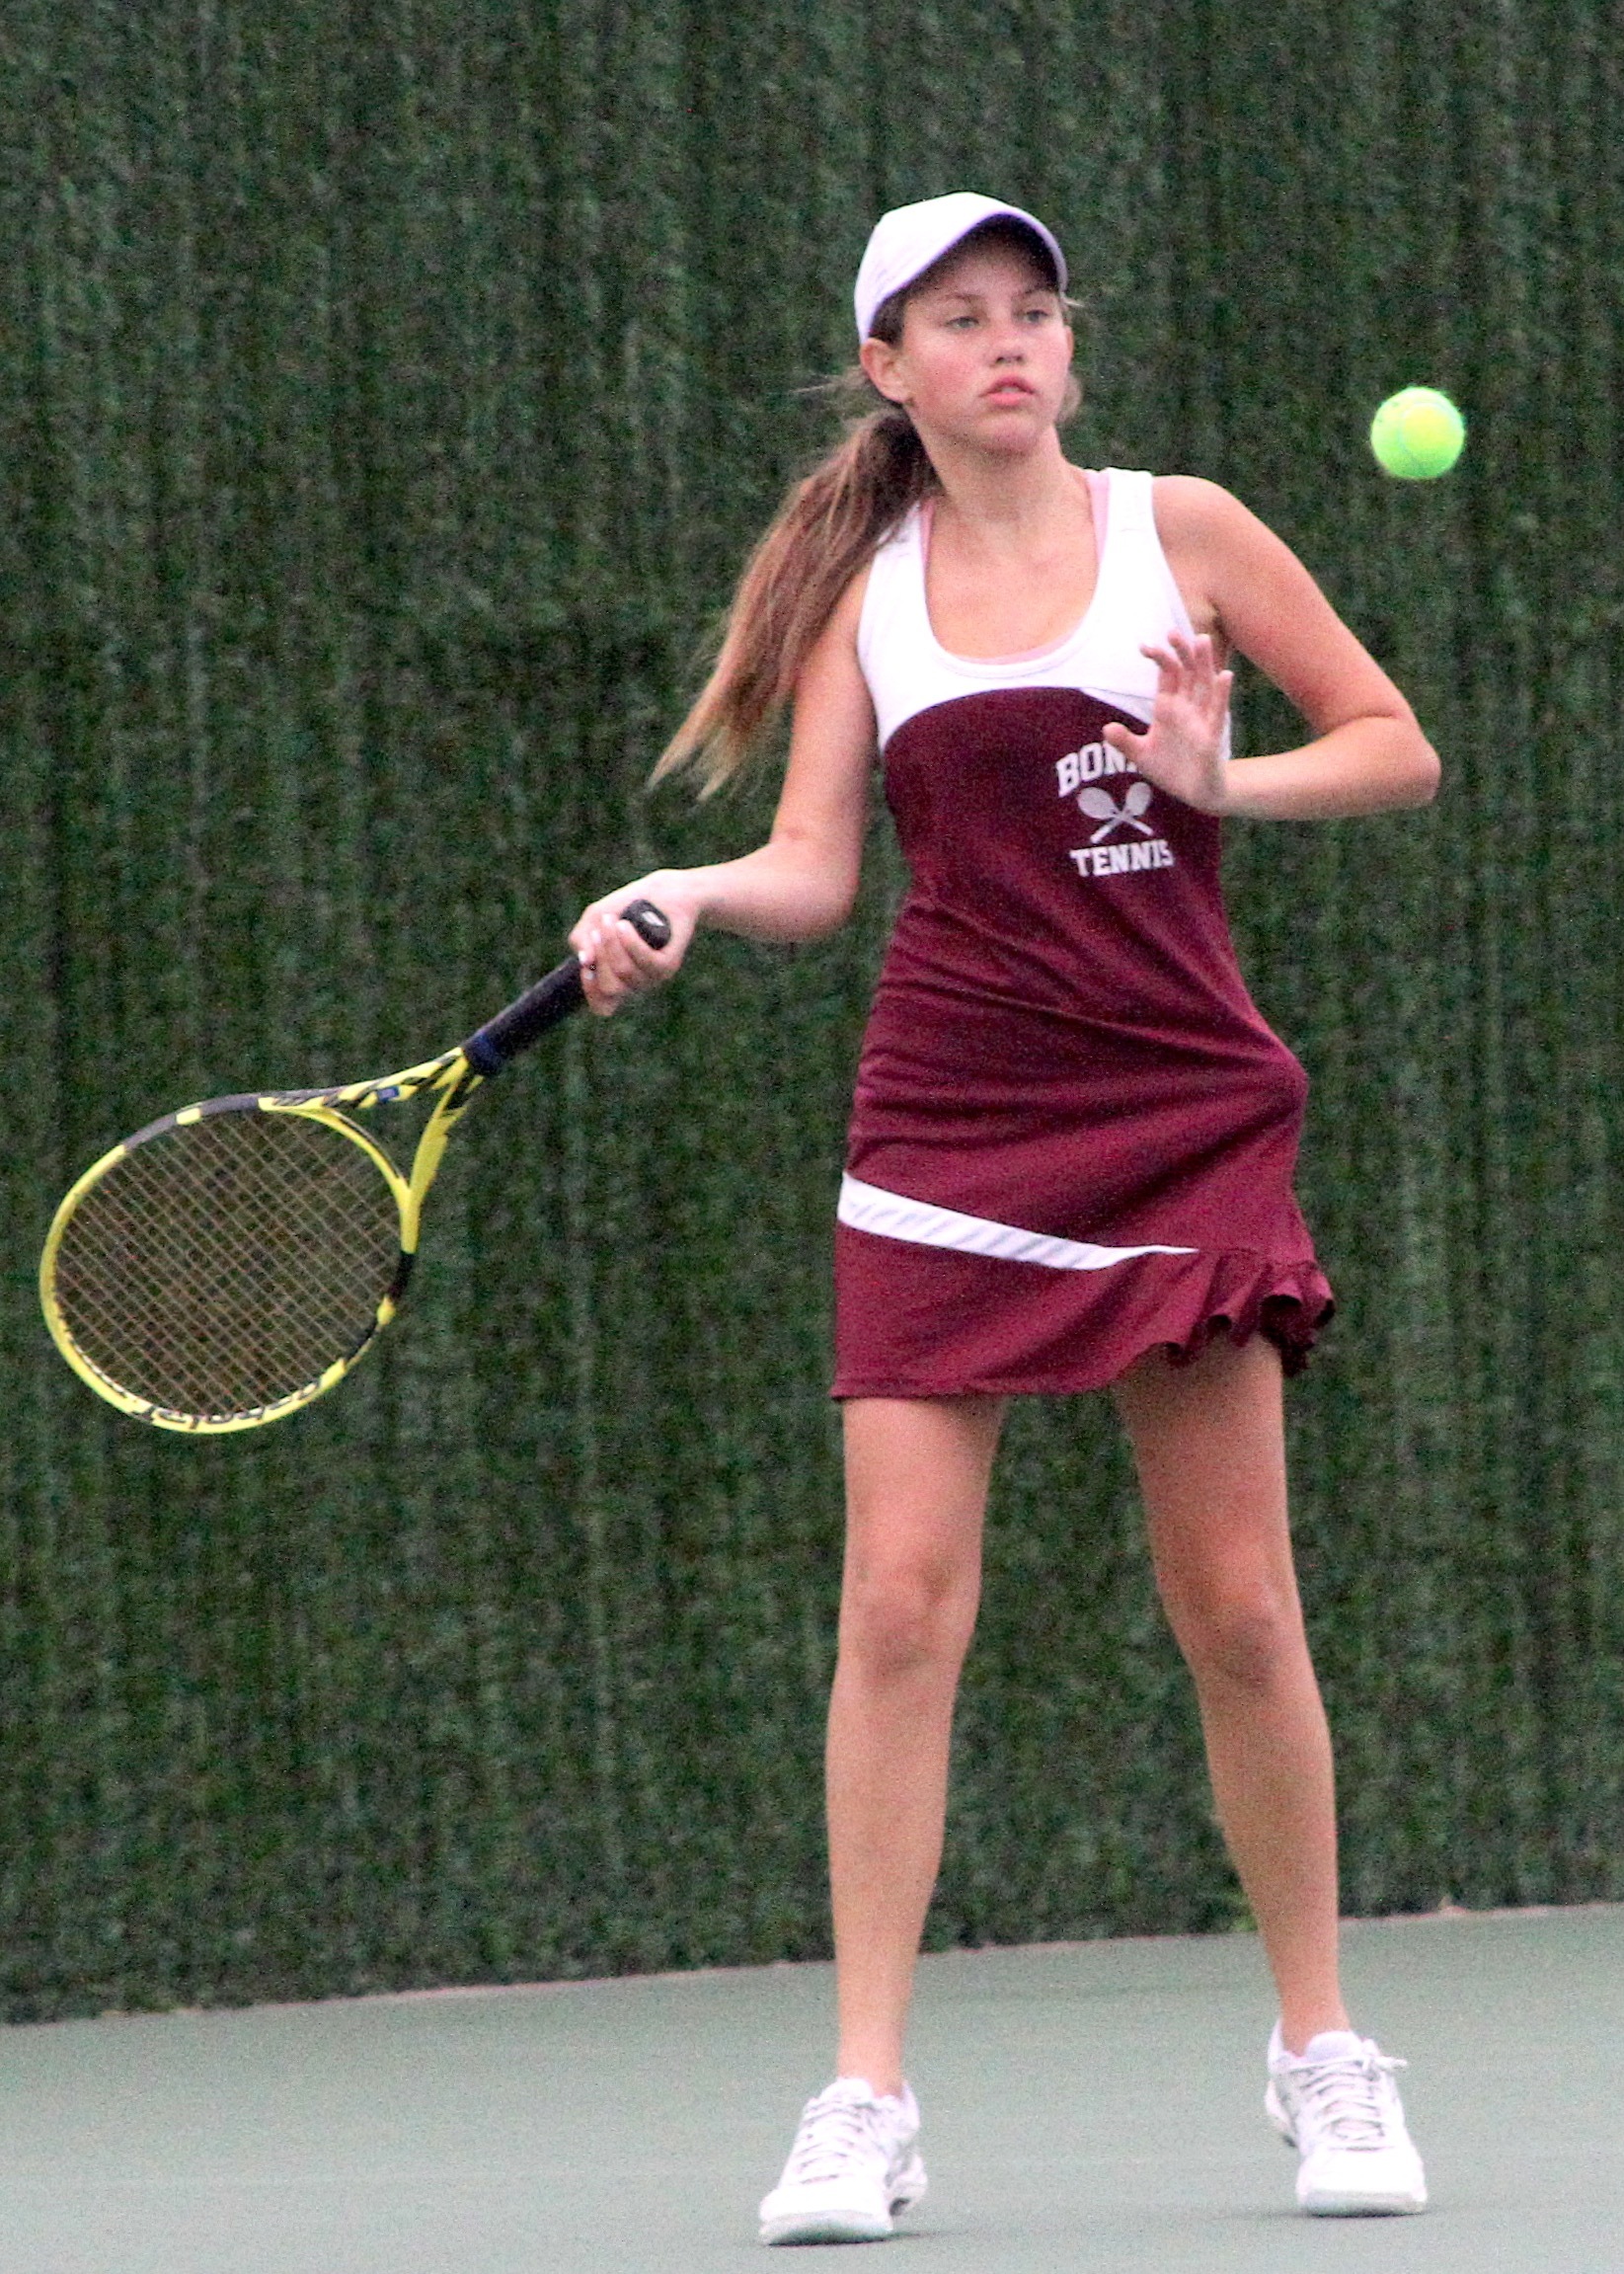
(985,351)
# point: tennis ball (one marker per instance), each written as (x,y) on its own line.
(1417,435)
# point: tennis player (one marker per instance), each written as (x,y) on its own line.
(1072,1150)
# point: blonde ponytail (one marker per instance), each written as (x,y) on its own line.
(825,530)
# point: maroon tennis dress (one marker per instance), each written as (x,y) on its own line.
(1074,1136)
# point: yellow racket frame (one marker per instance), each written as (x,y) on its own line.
(451,1075)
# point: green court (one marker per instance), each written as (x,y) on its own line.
(1086,2105)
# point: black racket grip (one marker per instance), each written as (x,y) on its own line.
(553,998)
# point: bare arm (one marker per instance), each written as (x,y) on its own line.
(1247,589)
(799,885)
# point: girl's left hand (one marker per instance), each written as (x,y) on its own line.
(1182,749)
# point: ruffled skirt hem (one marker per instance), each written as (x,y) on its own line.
(919,1322)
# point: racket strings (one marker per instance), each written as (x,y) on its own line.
(229,1262)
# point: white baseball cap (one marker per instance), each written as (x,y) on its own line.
(910,239)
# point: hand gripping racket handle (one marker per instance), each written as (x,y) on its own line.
(550,1000)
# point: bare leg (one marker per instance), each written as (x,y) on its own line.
(1208,1441)
(916,1482)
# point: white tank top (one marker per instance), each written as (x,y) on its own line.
(1135,598)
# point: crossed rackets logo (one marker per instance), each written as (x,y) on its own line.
(1100,806)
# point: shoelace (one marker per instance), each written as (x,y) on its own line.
(1349,2098)
(833,2131)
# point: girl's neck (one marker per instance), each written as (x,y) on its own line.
(1008,586)
(1006,501)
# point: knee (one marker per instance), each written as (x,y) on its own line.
(1246,1644)
(906,1619)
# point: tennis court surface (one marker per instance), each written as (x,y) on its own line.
(1092,2106)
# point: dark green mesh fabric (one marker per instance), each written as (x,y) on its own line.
(389,397)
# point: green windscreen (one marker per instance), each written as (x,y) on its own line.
(391,395)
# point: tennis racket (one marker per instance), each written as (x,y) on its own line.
(227,1264)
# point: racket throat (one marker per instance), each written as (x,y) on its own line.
(448,1111)
(395,1297)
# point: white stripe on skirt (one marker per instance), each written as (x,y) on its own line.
(867,1208)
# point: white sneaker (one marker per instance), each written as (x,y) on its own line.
(1337,2104)
(853,2163)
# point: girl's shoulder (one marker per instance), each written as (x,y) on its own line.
(846,616)
(1188,504)
(892,577)
(1212,542)
(1187,509)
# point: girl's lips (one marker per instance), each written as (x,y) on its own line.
(1010,390)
